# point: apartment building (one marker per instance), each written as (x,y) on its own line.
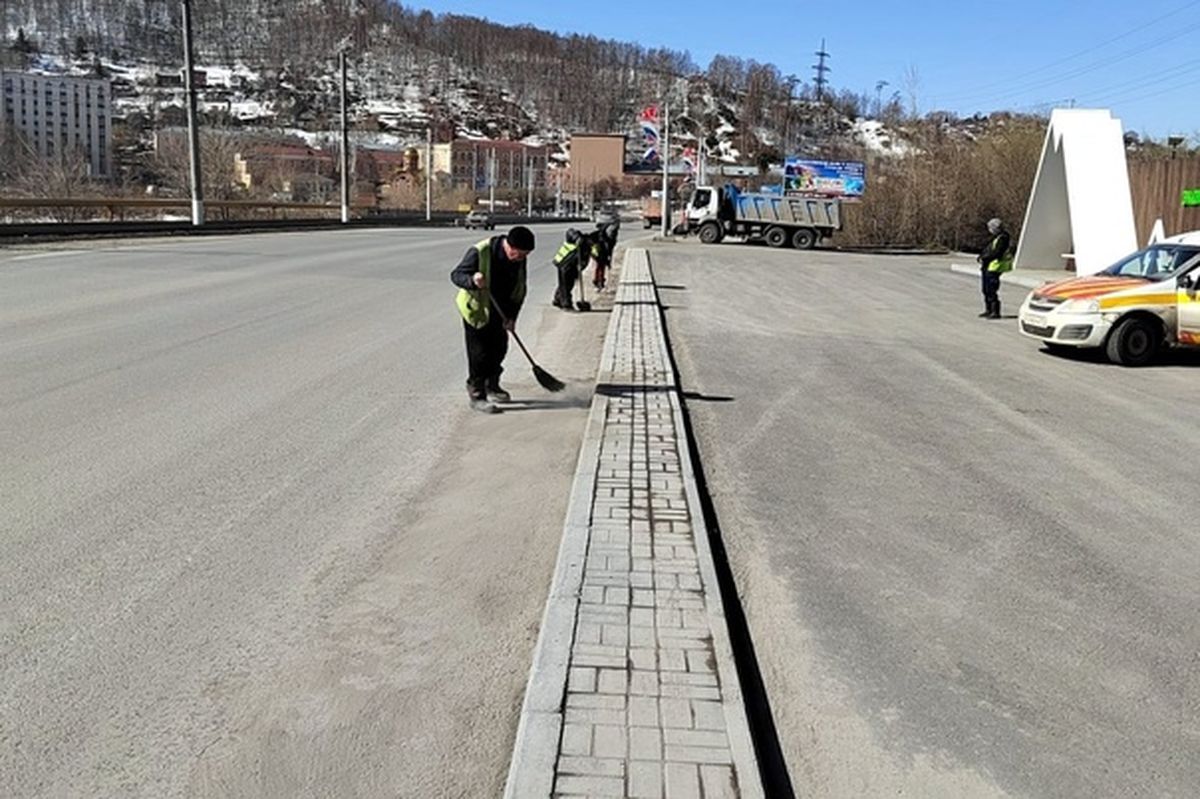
(58,114)
(466,162)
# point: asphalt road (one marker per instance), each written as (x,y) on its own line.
(969,566)
(253,541)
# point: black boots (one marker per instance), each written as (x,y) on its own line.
(991,310)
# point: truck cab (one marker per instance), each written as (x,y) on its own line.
(1144,302)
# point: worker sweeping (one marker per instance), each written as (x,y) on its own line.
(492,283)
(570,261)
(606,245)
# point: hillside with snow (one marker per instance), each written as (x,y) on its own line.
(270,65)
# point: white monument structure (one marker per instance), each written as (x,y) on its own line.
(1080,206)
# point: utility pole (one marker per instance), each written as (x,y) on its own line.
(345,143)
(557,193)
(429,174)
(492,181)
(666,159)
(821,69)
(529,185)
(879,96)
(197,176)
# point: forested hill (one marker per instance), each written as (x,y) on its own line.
(567,82)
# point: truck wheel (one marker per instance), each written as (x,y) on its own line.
(776,236)
(710,233)
(1133,342)
(804,239)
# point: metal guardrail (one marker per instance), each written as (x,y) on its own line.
(157,202)
(369,216)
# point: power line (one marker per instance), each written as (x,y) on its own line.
(1091,67)
(1073,56)
(1139,83)
(1139,96)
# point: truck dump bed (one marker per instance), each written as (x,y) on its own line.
(765,209)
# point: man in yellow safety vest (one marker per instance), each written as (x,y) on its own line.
(491,272)
(993,262)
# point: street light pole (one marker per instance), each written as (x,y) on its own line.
(194,170)
(492,181)
(429,174)
(666,159)
(345,143)
(529,183)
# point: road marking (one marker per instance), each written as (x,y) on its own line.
(33,256)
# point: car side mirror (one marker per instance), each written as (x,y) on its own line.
(1185,282)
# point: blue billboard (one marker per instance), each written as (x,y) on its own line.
(846,179)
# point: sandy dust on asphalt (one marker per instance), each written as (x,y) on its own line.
(441,634)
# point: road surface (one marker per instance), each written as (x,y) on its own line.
(969,566)
(254,542)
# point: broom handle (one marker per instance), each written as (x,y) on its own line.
(516,338)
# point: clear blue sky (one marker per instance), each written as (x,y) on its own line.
(1140,59)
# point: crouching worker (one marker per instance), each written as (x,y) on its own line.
(491,277)
(570,261)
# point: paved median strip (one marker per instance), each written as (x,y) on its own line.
(633,690)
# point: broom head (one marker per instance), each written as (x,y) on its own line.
(547,380)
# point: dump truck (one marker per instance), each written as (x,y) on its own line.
(780,220)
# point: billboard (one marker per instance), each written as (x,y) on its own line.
(845,179)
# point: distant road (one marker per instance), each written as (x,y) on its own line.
(969,566)
(252,543)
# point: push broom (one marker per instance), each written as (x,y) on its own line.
(544,378)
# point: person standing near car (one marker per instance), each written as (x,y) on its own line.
(993,262)
(492,271)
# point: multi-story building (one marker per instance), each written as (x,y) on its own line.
(598,156)
(467,162)
(60,115)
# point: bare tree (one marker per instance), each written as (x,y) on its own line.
(217,151)
(65,175)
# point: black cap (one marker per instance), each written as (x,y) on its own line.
(521,237)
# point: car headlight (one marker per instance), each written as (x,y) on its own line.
(1080,306)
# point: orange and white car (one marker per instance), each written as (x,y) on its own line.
(1145,301)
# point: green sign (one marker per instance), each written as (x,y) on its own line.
(1191,198)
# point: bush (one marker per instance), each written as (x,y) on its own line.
(944,189)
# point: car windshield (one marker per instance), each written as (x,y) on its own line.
(1158,262)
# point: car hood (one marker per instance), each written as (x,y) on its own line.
(1085,288)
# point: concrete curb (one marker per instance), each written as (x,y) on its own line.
(1028,280)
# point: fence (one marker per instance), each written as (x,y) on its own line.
(1157,187)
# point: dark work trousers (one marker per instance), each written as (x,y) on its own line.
(567,273)
(486,348)
(991,288)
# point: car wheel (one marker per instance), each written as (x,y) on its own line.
(776,237)
(1133,342)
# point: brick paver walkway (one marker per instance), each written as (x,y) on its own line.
(651,705)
